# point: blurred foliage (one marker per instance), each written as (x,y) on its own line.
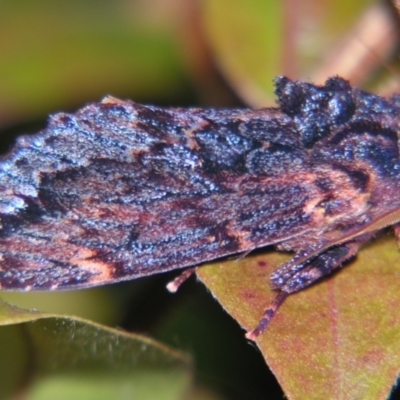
(65,358)
(57,55)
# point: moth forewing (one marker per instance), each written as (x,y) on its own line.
(119,190)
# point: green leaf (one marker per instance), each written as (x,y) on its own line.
(97,304)
(338,339)
(49,356)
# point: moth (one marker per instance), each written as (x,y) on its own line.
(119,190)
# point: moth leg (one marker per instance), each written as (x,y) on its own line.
(268,313)
(320,266)
(173,286)
(305,275)
(290,268)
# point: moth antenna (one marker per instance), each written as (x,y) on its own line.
(173,286)
(268,313)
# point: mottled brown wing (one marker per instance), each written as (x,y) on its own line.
(118,191)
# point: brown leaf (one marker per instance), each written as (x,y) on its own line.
(337,339)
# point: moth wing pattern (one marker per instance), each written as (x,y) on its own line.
(119,190)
